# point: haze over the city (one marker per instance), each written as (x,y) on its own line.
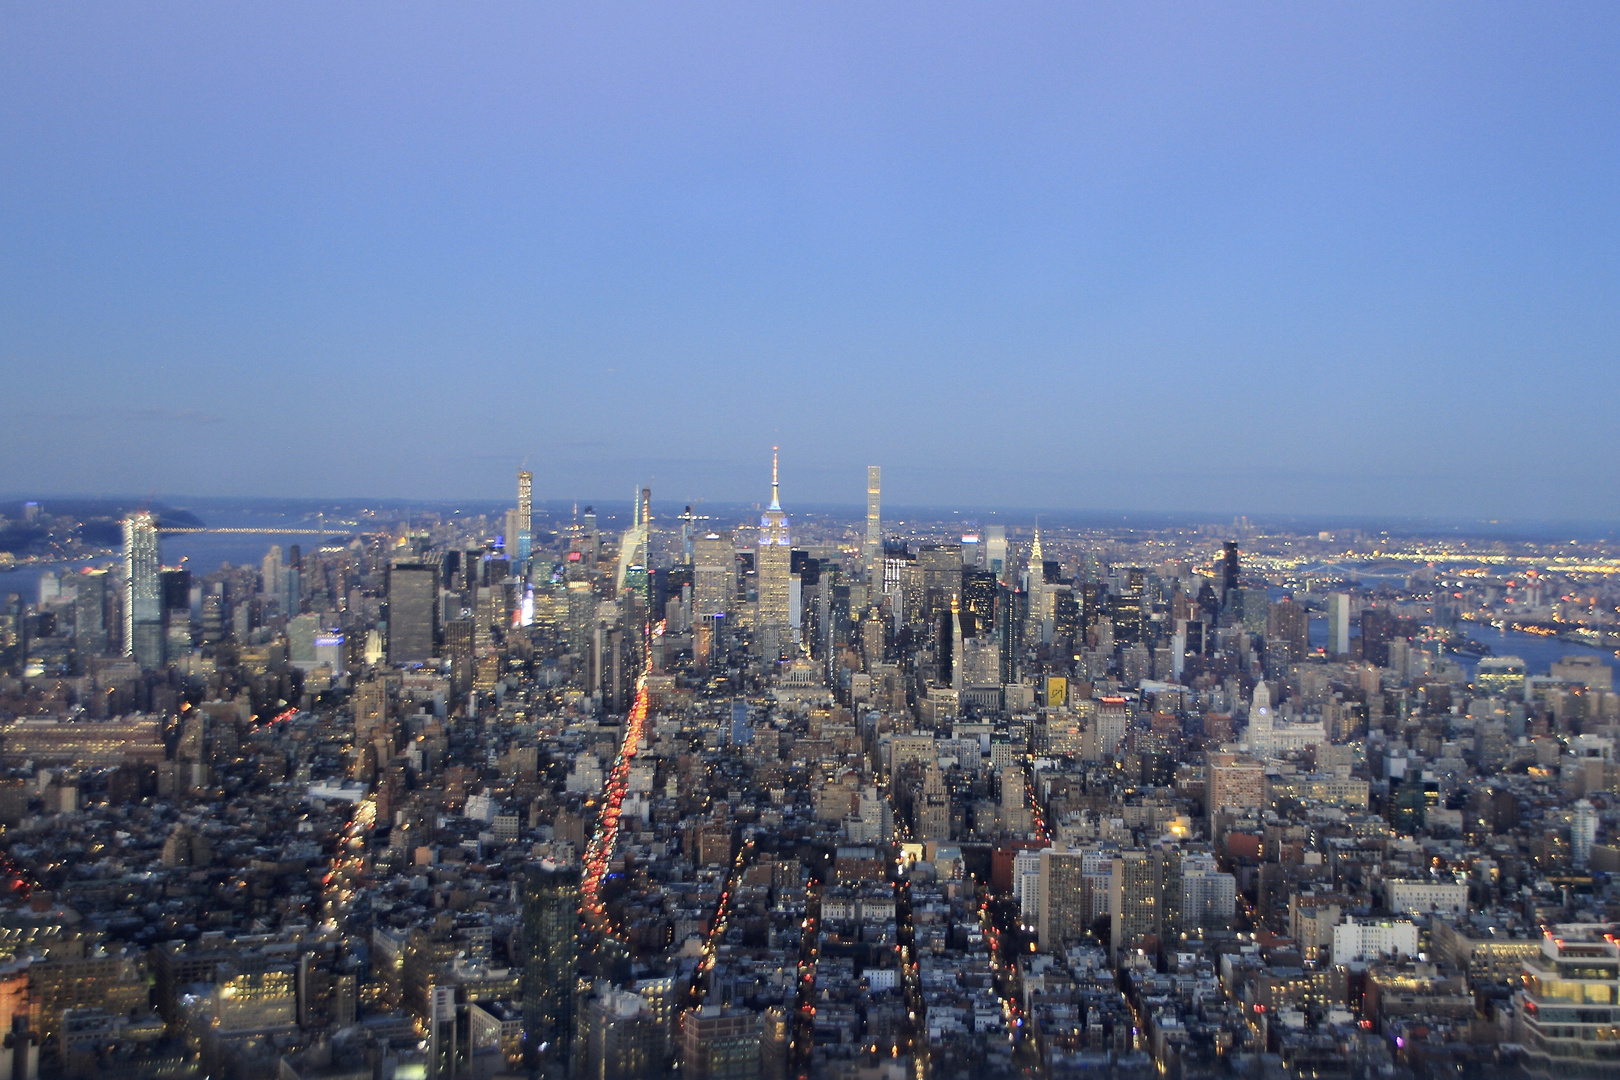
(1255,258)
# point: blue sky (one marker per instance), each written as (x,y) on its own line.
(1322,258)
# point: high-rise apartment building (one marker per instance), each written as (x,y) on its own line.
(1235,784)
(1377,630)
(371,716)
(1207,897)
(550,957)
(1288,626)
(1136,901)
(283,579)
(459,647)
(1338,613)
(581,617)
(874,514)
(413,612)
(1062,904)
(1583,833)
(143,591)
(270,573)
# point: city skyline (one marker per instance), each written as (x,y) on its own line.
(744,541)
(711,795)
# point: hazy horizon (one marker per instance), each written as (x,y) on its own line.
(1017,519)
(1155,257)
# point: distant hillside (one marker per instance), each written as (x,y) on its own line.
(92,522)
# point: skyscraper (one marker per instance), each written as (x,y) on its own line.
(524,541)
(931,806)
(995,550)
(714,575)
(742,733)
(1583,833)
(1131,609)
(874,515)
(774,566)
(1288,626)
(1007,634)
(1229,570)
(175,585)
(633,544)
(412,612)
(978,603)
(550,957)
(1377,630)
(271,574)
(143,591)
(1252,610)
(1037,627)
(441,1033)
(1338,643)
(458,645)
(90,613)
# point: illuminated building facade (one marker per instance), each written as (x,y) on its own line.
(874,514)
(525,518)
(143,591)
(774,566)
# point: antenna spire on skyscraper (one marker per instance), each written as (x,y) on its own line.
(776,502)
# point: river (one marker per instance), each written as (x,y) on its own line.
(202,552)
(1537,652)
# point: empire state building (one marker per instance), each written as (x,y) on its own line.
(773,563)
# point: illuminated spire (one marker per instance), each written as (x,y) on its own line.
(776,502)
(1035,557)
